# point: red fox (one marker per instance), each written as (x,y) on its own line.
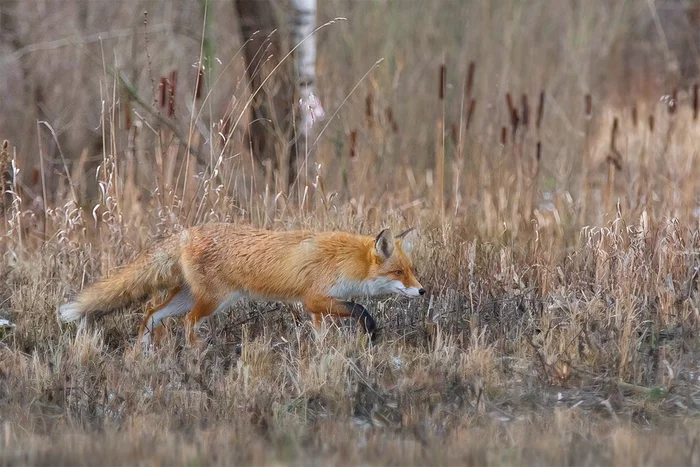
(209,267)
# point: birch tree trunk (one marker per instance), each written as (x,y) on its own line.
(303,23)
(282,118)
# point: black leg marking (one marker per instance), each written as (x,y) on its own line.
(360,313)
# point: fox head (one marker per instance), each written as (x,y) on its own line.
(395,272)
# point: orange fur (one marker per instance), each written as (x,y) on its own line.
(208,266)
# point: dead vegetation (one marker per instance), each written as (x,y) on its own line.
(559,245)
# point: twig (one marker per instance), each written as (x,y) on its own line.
(539,356)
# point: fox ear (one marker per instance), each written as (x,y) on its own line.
(408,239)
(384,244)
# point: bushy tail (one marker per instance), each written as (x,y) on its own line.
(154,269)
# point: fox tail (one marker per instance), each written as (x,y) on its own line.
(154,269)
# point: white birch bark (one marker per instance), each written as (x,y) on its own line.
(303,20)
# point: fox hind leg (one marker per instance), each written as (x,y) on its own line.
(178,303)
(204,309)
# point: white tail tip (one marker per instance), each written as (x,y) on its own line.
(70,312)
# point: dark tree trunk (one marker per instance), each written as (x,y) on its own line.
(271,130)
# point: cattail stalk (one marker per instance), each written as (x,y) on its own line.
(614,164)
(587,153)
(470,113)
(440,168)
(440,147)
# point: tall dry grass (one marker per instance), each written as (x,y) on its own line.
(559,242)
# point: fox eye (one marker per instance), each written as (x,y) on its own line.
(399,272)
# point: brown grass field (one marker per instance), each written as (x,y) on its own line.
(552,175)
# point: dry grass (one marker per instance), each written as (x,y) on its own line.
(561,256)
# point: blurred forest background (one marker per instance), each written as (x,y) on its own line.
(546,150)
(94,69)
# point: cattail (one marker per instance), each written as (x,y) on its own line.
(369,108)
(5,168)
(540,111)
(538,153)
(651,123)
(390,119)
(634,116)
(614,157)
(200,83)
(163,91)
(525,111)
(353,144)
(443,79)
(588,105)
(226,126)
(470,113)
(5,153)
(695,101)
(470,81)
(514,119)
(127,114)
(504,136)
(173,87)
(453,133)
(613,134)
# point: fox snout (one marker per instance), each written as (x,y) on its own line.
(413,291)
(412,288)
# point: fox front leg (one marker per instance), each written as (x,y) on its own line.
(361,314)
(328,306)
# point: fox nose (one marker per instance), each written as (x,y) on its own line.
(421,291)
